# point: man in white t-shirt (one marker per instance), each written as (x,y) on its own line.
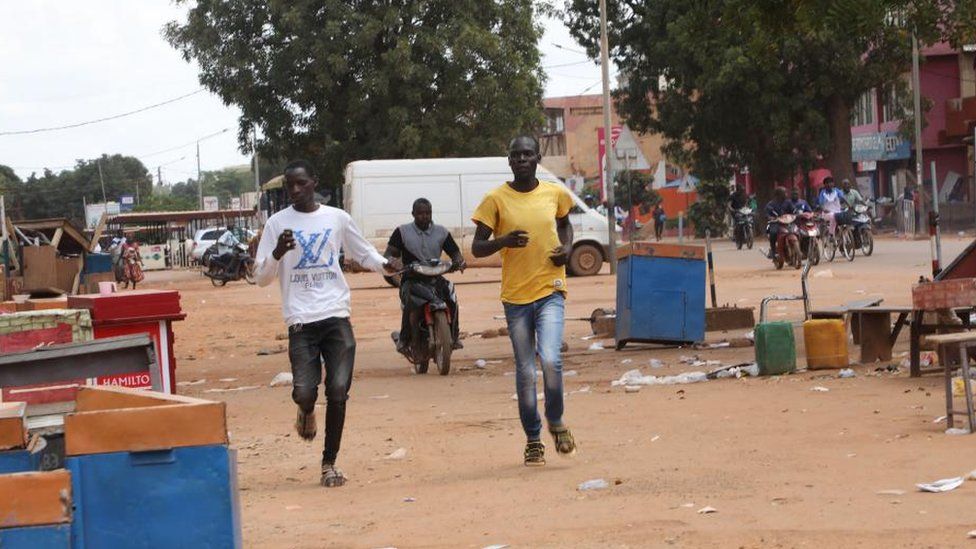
(300,247)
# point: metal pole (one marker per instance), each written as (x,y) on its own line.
(681,227)
(199,179)
(254,153)
(711,267)
(608,139)
(917,95)
(102,180)
(935,211)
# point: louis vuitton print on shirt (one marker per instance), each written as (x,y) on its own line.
(310,275)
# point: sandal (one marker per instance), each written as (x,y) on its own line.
(535,454)
(564,441)
(305,425)
(332,476)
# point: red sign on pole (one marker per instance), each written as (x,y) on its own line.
(614,135)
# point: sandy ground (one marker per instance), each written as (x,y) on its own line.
(783,465)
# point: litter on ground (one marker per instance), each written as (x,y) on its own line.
(282,379)
(634,377)
(942,485)
(593,484)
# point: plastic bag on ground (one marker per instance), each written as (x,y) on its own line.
(282,379)
(594,484)
(942,485)
(634,377)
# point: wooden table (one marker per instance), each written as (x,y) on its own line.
(875,332)
(965,342)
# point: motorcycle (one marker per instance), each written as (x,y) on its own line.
(743,222)
(808,232)
(787,241)
(218,267)
(863,234)
(430,323)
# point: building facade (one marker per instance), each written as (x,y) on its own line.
(884,159)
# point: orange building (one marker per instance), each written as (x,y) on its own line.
(570,148)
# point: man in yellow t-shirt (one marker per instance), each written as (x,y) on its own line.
(530,221)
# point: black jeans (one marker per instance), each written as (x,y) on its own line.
(309,345)
(415,293)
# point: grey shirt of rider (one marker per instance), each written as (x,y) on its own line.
(424,244)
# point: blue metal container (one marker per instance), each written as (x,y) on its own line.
(183,497)
(660,293)
(54,536)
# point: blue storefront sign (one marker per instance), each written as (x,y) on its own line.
(879,146)
(126,203)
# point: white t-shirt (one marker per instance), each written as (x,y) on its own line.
(227,242)
(312,285)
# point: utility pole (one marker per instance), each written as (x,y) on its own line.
(608,139)
(917,93)
(102,180)
(199,180)
(159,175)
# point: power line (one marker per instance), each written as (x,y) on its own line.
(567,64)
(105,119)
(562,47)
(187,144)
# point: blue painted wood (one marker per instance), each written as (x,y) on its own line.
(18,461)
(55,536)
(183,497)
(660,300)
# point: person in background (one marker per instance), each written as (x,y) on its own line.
(851,194)
(831,201)
(660,218)
(776,207)
(227,248)
(799,205)
(739,199)
(132,263)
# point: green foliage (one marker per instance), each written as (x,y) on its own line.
(167,202)
(708,212)
(767,85)
(634,188)
(63,194)
(340,80)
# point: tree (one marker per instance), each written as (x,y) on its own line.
(65,193)
(768,85)
(340,80)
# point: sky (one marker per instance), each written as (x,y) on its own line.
(68,62)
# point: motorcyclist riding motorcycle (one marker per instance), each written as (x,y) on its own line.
(422,241)
(776,207)
(799,205)
(227,249)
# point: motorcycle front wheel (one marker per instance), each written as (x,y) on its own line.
(814,251)
(867,242)
(249,273)
(796,258)
(747,231)
(443,342)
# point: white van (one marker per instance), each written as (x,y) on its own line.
(379,194)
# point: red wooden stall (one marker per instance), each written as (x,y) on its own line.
(134,312)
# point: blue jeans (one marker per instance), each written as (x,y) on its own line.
(537,327)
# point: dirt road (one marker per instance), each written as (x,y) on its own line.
(783,465)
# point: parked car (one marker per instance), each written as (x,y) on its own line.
(205,238)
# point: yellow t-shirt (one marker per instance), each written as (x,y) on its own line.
(527,273)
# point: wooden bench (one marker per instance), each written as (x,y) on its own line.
(965,341)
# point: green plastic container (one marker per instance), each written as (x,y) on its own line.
(775,348)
